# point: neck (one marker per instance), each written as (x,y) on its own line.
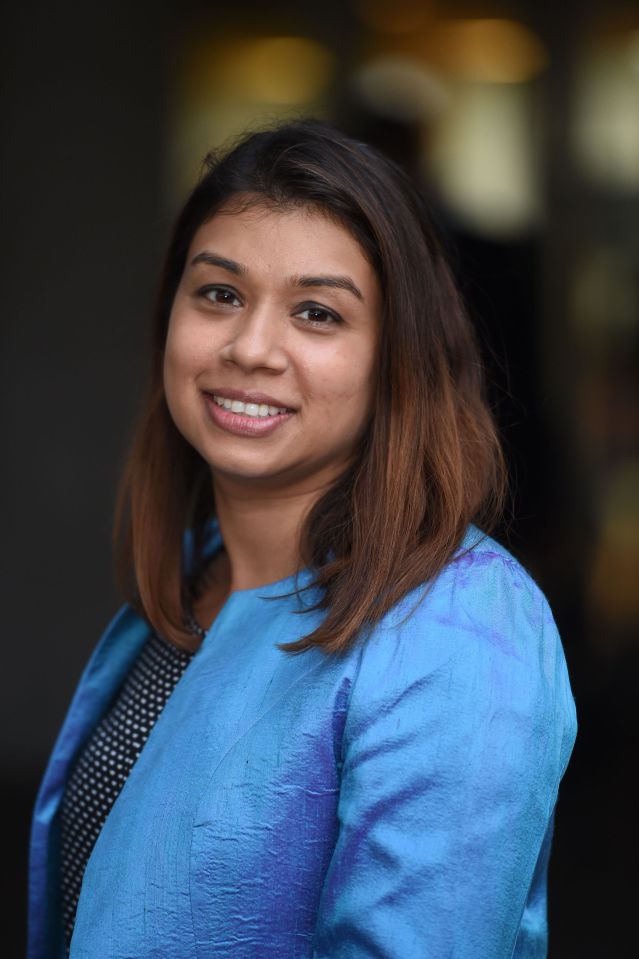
(261,532)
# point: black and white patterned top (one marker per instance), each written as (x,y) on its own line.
(103,766)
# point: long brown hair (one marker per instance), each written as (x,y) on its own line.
(430,461)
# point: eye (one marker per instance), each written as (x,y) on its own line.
(318,316)
(220,295)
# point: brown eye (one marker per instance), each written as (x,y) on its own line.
(220,295)
(318,316)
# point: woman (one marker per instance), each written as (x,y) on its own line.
(333,716)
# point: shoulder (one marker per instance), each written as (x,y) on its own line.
(483,600)
(478,642)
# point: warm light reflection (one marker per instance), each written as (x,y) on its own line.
(226,87)
(392,16)
(490,50)
(274,70)
(277,70)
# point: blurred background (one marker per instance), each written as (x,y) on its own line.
(521,121)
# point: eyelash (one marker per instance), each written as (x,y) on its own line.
(335,318)
(205,290)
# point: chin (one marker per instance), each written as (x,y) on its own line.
(242,474)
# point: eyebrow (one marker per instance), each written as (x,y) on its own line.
(214,259)
(332,282)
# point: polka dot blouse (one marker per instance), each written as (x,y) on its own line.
(107,759)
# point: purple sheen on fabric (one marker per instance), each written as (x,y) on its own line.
(390,803)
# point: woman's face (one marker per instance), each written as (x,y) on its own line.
(271,347)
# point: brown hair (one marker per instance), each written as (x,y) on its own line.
(430,461)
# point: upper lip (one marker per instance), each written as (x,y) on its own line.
(246,396)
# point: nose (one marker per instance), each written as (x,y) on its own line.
(257,340)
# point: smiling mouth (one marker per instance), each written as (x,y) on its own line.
(255,410)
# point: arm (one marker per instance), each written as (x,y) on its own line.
(460,726)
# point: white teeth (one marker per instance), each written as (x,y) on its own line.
(249,409)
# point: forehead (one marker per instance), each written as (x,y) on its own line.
(294,240)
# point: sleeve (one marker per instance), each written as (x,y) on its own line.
(460,726)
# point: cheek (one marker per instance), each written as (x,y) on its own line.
(359,385)
(178,371)
(344,385)
(182,354)
(171,364)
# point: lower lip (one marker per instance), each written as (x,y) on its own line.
(244,425)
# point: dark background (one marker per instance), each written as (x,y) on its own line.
(89,109)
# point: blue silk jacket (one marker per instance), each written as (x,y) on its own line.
(393,802)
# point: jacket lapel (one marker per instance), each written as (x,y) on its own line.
(105,672)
